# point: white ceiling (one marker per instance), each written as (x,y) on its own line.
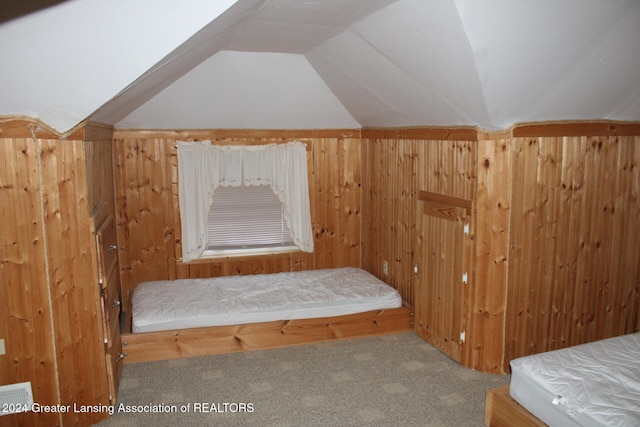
(304,64)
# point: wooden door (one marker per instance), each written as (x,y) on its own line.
(443,274)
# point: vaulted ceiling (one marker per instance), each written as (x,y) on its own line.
(306,64)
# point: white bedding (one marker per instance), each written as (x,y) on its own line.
(594,384)
(230,300)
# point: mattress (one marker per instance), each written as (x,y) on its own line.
(230,300)
(594,384)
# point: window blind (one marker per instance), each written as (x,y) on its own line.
(246,218)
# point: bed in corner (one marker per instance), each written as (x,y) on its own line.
(196,317)
(594,384)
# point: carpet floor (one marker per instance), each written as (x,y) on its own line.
(392,380)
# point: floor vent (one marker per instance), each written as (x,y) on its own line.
(15,398)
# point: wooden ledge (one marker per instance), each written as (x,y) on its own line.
(176,344)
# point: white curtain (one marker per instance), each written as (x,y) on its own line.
(203,167)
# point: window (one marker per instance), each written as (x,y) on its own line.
(215,183)
(245,220)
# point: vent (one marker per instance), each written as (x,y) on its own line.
(15,398)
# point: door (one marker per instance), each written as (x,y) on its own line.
(443,274)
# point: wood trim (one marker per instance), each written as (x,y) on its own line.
(163,345)
(442,205)
(491,135)
(290,254)
(238,142)
(21,127)
(240,134)
(502,410)
(423,133)
(441,210)
(539,129)
(25,128)
(600,128)
(30,127)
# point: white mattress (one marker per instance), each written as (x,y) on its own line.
(191,303)
(594,384)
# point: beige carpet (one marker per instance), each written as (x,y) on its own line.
(393,380)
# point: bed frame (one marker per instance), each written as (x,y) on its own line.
(179,343)
(502,410)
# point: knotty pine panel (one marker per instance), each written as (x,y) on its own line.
(49,264)
(488,283)
(575,227)
(389,221)
(25,324)
(147,206)
(98,153)
(394,171)
(72,262)
(522,223)
(449,168)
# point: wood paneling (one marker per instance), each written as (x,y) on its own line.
(512,288)
(575,227)
(48,266)
(146,179)
(335,201)
(72,264)
(491,235)
(98,154)
(394,172)
(389,171)
(25,323)
(554,229)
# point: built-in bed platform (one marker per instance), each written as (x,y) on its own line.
(594,384)
(193,317)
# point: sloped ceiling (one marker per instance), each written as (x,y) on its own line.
(301,64)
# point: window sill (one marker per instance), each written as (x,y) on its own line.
(240,255)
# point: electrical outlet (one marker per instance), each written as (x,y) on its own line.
(385,267)
(2,349)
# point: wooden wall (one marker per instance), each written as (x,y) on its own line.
(397,164)
(147,204)
(460,163)
(574,271)
(25,304)
(555,225)
(533,188)
(50,303)
(490,231)
(98,156)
